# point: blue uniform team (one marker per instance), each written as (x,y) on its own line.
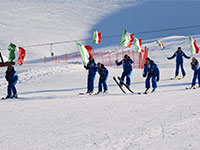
(151,73)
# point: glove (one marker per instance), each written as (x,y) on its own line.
(116,61)
(85,66)
(129,58)
(168,58)
(157,79)
(144,75)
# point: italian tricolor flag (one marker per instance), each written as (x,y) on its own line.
(194,47)
(85,52)
(138,44)
(96,37)
(127,39)
(160,44)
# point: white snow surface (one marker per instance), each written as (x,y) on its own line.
(50,113)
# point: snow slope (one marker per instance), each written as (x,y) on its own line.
(50,113)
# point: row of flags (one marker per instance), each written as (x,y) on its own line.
(126,41)
(21,51)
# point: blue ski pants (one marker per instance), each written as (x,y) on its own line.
(11,89)
(128,77)
(90,84)
(177,69)
(195,76)
(105,87)
(147,82)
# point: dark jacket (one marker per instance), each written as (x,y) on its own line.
(151,70)
(103,72)
(195,66)
(179,57)
(92,67)
(11,77)
(127,65)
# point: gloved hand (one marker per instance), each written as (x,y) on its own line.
(144,75)
(116,61)
(157,79)
(85,66)
(168,58)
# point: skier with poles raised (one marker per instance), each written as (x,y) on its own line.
(103,73)
(179,54)
(127,70)
(151,71)
(195,67)
(12,79)
(92,69)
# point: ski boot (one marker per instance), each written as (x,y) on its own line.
(146,91)
(154,89)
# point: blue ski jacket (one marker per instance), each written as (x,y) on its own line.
(127,65)
(152,70)
(179,57)
(195,66)
(92,67)
(103,72)
(11,77)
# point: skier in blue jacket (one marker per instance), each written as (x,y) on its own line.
(92,69)
(12,79)
(151,71)
(103,73)
(179,54)
(127,69)
(196,68)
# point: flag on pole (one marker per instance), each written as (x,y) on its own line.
(194,47)
(22,53)
(85,52)
(138,44)
(127,39)
(11,48)
(96,37)
(160,44)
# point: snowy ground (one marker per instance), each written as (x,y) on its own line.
(50,113)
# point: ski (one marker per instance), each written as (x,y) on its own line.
(176,78)
(119,85)
(127,86)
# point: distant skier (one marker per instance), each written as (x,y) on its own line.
(12,79)
(151,71)
(179,54)
(91,66)
(196,68)
(127,69)
(103,72)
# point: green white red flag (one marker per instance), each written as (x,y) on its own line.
(85,52)
(138,44)
(96,37)
(127,39)
(193,45)
(160,44)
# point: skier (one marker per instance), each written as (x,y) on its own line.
(91,66)
(127,69)
(12,79)
(151,71)
(179,54)
(196,68)
(103,72)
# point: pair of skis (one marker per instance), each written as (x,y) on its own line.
(120,81)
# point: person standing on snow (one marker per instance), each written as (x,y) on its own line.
(196,68)
(92,69)
(103,72)
(179,54)
(127,69)
(152,72)
(12,79)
